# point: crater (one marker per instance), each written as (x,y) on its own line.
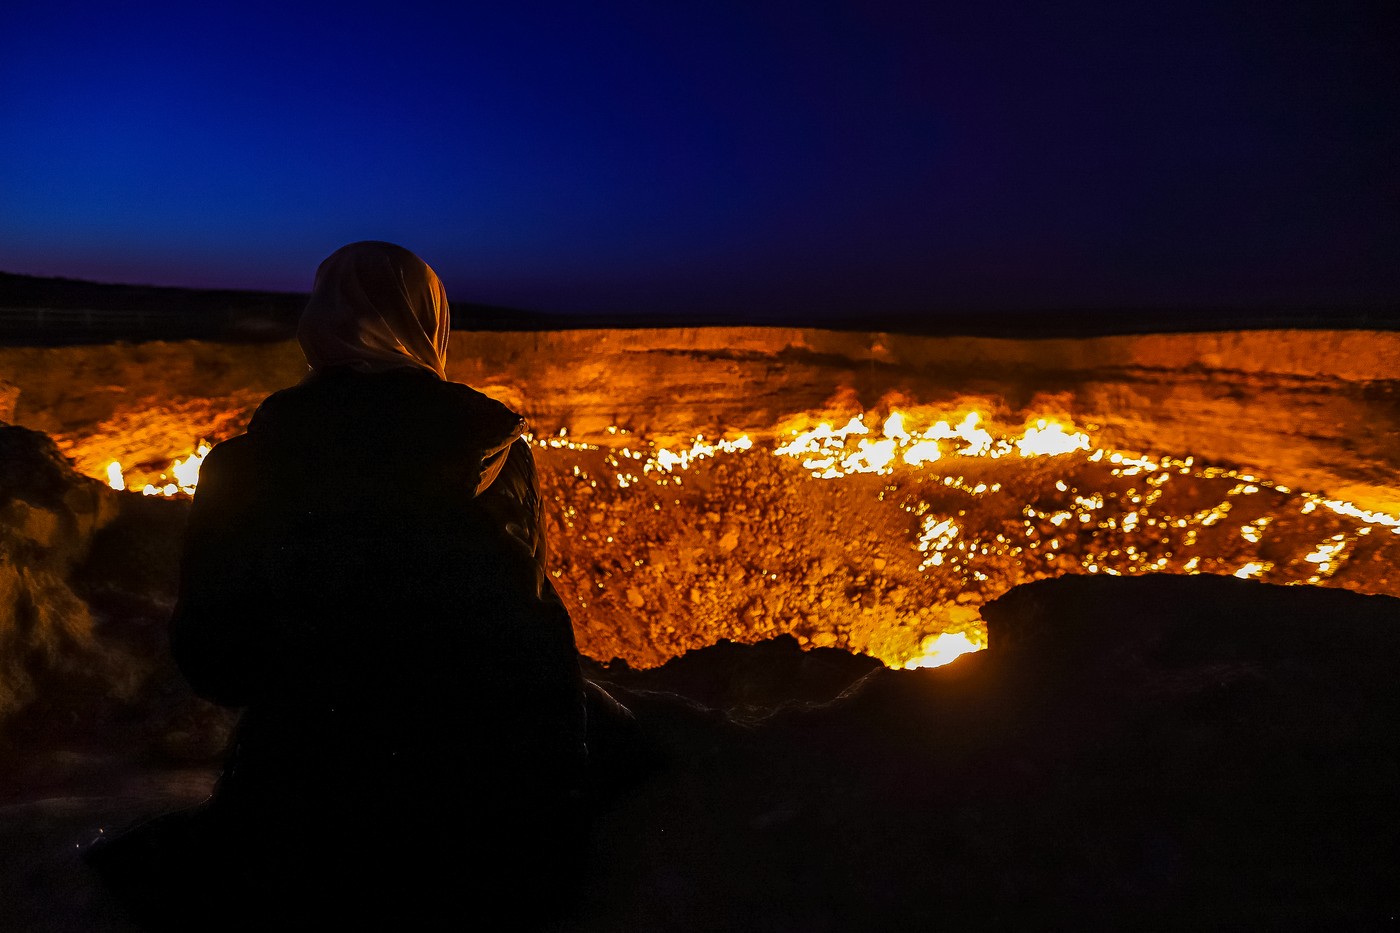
(866,491)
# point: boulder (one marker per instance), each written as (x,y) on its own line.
(49,516)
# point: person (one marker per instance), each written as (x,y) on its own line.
(364,574)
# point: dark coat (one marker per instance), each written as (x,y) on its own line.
(364,572)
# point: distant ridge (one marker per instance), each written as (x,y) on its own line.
(39,310)
(43,311)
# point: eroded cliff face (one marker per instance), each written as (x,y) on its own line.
(1318,410)
(654,563)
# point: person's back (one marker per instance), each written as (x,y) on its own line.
(364,573)
(344,580)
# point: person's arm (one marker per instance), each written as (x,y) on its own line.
(215,632)
(514,498)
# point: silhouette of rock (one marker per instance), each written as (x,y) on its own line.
(746,680)
(1153,752)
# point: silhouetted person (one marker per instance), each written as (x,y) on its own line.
(364,574)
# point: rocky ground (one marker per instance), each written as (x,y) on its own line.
(746,545)
(1225,758)
(742,545)
(1149,751)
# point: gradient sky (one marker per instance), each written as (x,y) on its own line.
(776,158)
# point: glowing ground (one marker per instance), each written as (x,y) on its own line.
(744,544)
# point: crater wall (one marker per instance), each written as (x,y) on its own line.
(1319,410)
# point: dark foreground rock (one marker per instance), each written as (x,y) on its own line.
(1156,752)
(87,577)
(49,516)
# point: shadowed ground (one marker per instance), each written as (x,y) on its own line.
(1151,752)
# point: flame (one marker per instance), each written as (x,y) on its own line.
(991,503)
(182,477)
(669,461)
(827,453)
(1049,439)
(937,537)
(940,649)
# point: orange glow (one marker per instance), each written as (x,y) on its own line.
(886,531)
(938,650)
(183,476)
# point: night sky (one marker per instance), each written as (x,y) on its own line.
(764,158)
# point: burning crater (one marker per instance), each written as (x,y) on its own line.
(864,491)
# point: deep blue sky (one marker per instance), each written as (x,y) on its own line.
(783,158)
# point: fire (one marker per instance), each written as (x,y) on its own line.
(943,648)
(1049,439)
(182,477)
(668,461)
(937,537)
(885,531)
(827,453)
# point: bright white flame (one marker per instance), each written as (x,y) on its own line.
(183,475)
(822,436)
(668,461)
(922,452)
(870,456)
(978,440)
(937,537)
(114,476)
(894,428)
(937,650)
(1049,439)
(1352,511)
(826,450)
(1253,570)
(186,471)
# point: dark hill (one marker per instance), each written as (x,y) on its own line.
(52,311)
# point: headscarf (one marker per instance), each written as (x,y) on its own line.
(375,307)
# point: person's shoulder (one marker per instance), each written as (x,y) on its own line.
(479,413)
(275,406)
(227,465)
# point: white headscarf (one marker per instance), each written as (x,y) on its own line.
(375,307)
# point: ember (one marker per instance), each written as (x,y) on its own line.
(888,539)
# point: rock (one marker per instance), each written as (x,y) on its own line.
(48,516)
(87,581)
(1138,616)
(750,678)
(9,395)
